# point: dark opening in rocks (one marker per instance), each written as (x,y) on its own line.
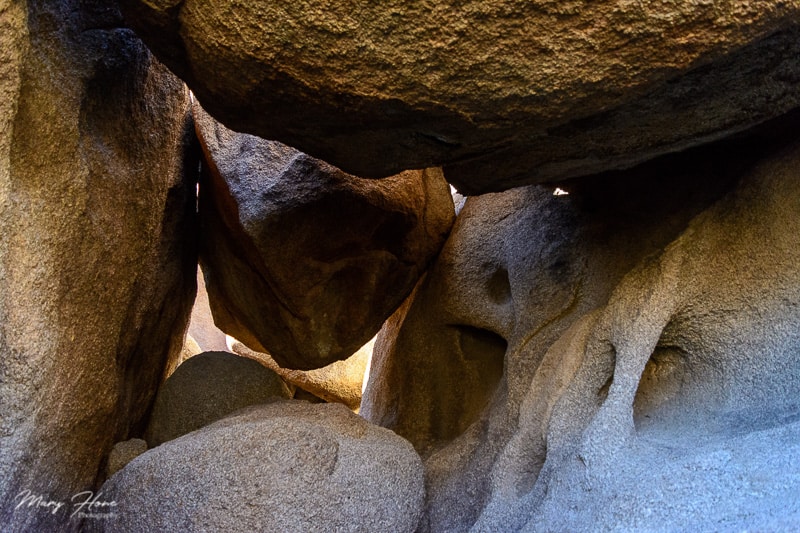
(602,392)
(498,286)
(483,355)
(661,382)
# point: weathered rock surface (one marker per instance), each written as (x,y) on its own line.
(190,349)
(286,466)
(96,257)
(566,354)
(340,382)
(505,92)
(123,453)
(206,388)
(700,349)
(301,260)
(743,481)
(201,324)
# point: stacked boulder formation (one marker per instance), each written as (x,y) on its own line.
(304,261)
(633,358)
(604,335)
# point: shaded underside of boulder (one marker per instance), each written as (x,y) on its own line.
(340,382)
(286,466)
(96,250)
(560,340)
(501,93)
(301,260)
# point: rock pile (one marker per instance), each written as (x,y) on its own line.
(605,337)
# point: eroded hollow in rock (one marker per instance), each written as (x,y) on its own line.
(662,380)
(498,287)
(482,352)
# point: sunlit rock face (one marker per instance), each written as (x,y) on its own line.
(301,260)
(96,245)
(502,93)
(621,356)
(339,382)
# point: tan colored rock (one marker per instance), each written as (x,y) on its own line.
(206,388)
(286,466)
(190,349)
(339,382)
(123,453)
(301,260)
(201,325)
(564,348)
(96,270)
(503,93)
(202,334)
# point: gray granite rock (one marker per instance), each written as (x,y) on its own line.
(566,353)
(207,387)
(285,466)
(123,453)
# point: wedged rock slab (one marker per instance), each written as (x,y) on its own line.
(341,381)
(285,466)
(301,260)
(504,93)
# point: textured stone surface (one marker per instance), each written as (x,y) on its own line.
(696,360)
(744,481)
(339,382)
(96,268)
(301,260)
(502,366)
(207,387)
(506,92)
(286,466)
(201,325)
(123,453)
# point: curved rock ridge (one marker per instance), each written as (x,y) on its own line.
(684,395)
(301,260)
(503,93)
(285,466)
(563,349)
